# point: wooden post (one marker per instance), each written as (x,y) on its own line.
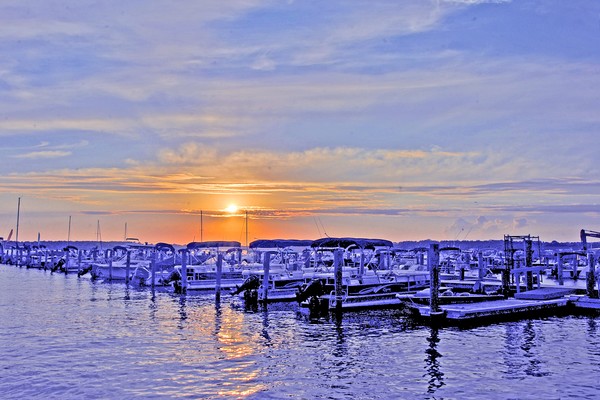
(266,270)
(219,273)
(153,267)
(591,277)
(481,265)
(127,267)
(67,260)
(361,270)
(434,278)
(79,256)
(559,271)
(184,259)
(338,256)
(110,261)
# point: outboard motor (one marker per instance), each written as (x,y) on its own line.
(312,291)
(173,277)
(84,271)
(251,283)
(59,265)
(313,288)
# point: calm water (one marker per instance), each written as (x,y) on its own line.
(70,338)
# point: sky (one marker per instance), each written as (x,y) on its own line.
(401,120)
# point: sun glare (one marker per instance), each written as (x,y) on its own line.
(232,208)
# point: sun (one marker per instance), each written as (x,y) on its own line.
(232,209)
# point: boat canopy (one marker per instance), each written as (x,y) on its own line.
(420,249)
(347,242)
(212,244)
(279,243)
(449,248)
(164,246)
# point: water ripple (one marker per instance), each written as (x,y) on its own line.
(69,338)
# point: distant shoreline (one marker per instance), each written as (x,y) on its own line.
(404,245)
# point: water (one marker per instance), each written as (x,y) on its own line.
(70,338)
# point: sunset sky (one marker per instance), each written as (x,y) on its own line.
(401,120)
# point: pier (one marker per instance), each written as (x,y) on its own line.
(520,301)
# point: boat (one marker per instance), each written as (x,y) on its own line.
(202,264)
(281,262)
(364,283)
(134,263)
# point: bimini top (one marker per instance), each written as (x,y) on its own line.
(361,243)
(212,244)
(279,243)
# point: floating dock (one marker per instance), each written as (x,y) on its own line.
(532,303)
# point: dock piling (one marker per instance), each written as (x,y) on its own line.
(109,253)
(591,277)
(127,267)
(219,273)
(433,259)
(338,261)
(266,270)
(153,267)
(184,259)
(559,272)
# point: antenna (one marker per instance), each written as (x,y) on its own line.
(317,225)
(323,226)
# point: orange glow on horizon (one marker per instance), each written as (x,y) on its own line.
(232,209)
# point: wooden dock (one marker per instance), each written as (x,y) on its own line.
(533,303)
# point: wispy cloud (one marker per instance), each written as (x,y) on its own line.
(43,154)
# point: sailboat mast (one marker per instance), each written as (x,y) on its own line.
(69,233)
(246,228)
(125,238)
(201,227)
(18,215)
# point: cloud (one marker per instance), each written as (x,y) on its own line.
(43,154)
(519,223)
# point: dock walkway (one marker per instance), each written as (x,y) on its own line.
(527,304)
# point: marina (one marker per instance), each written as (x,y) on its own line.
(346,285)
(300,200)
(436,285)
(69,337)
